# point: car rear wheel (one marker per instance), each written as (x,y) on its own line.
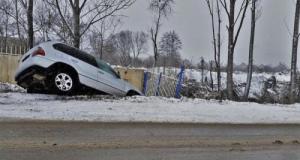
(64,83)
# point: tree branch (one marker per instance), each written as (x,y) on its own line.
(224,4)
(63,18)
(241,22)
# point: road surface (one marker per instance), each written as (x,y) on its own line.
(35,140)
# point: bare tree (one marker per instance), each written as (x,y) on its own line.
(123,43)
(30,31)
(294,55)
(44,21)
(5,23)
(139,45)
(170,46)
(15,16)
(161,9)
(110,52)
(210,74)
(86,13)
(128,45)
(57,28)
(216,38)
(97,42)
(235,23)
(202,67)
(100,34)
(27,5)
(255,13)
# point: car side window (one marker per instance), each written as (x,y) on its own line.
(76,53)
(105,67)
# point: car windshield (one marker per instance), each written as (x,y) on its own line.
(107,68)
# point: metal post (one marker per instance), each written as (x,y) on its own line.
(158,85)
(145,85)
(179,83)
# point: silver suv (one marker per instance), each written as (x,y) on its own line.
(61,69)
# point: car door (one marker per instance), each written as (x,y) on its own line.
(86,64)
(87,69)
(107,76)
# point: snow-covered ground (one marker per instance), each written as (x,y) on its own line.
(7,87)
(15,103)
(141,109)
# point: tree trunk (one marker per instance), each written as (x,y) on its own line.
(6,36)
(219,52)
(215,45)
(164,69)
(216,41)
(155,37)
(17,19)
(202,71)
(155,53)
(76,19)
(251,49)
(101,46)
(294,54)
(230,50)
(30,32)
(211,77)
(219,63)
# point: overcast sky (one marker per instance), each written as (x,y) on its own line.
(192,22)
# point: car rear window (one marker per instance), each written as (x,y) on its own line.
(76,53)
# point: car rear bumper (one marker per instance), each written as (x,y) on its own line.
(32,62)
(30,76)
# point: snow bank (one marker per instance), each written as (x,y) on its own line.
(7,87)
(142,109)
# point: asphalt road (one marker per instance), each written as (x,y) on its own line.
(35,140)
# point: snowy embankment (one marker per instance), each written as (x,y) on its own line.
(141,109)
(7,87)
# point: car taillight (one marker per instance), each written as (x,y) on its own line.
(39,52)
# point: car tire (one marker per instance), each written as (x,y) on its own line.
(64,83)
(132,93)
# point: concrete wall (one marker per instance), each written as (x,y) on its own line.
(133,76)
(8,66)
